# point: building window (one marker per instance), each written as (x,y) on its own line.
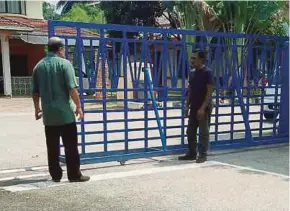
(13,7)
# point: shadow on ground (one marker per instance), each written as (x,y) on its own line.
(272,158)
(20,182)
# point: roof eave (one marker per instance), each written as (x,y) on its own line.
(9,28)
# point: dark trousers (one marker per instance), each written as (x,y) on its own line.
(69,136)
(203,125)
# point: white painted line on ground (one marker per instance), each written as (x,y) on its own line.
(8,171)
(9,114)
(22,177)
(252,169)
(115,175)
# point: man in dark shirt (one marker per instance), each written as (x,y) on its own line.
(199,101)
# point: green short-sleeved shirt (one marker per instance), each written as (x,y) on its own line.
(53,77)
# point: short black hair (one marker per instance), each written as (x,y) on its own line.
(54,44)
(201,54)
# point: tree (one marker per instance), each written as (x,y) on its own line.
(251,17)
(66,6)
(132,12)
(49,11)
(84,13)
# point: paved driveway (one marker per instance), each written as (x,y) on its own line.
(246,179)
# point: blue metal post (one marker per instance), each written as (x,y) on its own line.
(51,31)
(218,60)
(284,108)
(80,62)
(66,47)
(144,56)
(276,83)
(264,61)
(124,53)
(182,56)
(92,85)
(165,87)
(104,88)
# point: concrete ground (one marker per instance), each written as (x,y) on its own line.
(246,179)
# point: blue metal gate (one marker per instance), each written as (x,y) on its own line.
(133,88)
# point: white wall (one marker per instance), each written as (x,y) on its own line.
(34,9)
(6,65)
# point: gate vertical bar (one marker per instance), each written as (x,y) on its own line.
(165,88)
(232,72)
(66,47)
(278,55)
(144,45)
(91,67)
(219,76)
(264,61)
(284,108)
(51,31)
(124,52)
(104,90)
(80,66)
(182,55)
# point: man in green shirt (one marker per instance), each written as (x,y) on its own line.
(55,84)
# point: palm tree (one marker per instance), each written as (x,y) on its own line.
(225,16)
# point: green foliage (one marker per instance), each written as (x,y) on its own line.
(84,13)
(278,27)
(66,6)
(250,17)
(49,11)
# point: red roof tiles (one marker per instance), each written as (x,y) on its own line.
(38,25)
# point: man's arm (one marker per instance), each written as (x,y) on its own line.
(35,95)
(75,97)
(210,88)
(208,97)
(188,102)
(72,85)
(190,76)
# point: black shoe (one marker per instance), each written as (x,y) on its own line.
(81,179)
(55,180)
(187,157)
(201,159)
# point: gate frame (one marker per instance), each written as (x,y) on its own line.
(120,156)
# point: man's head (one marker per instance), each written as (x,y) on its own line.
(198,58)
(55,45)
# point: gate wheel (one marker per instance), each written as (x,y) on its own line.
(122,163)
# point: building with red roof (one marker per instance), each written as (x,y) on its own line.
(24,34)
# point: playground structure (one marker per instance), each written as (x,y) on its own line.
(130,121)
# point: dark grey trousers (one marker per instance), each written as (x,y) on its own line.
(203,125)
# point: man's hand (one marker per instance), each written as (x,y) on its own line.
(186,112)
(37,110)
(79,113)
(38,114)
(201,114)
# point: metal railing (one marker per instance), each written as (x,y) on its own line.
(115,128)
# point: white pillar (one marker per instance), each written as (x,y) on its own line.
(6,65)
